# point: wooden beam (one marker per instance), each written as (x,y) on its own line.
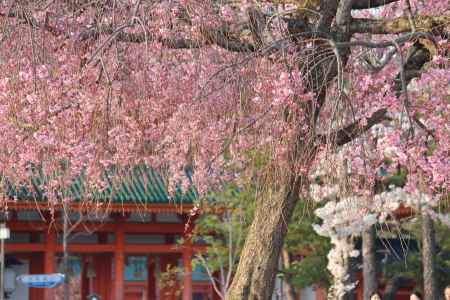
(27,226)
(166,248)
(89,206)
(100,248)
(75,248)
(83,248)
(25,247)
(33,226)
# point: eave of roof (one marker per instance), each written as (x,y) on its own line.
(142,187)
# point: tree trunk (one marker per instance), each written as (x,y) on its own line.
(428,257)
(255,275)
(289,291)
(370,279)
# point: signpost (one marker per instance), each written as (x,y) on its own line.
(42,280)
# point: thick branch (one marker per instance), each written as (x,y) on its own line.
(138,37)
(385,44)
(219,38)
(174,43)
(224,40)
(352,131)
(398,25)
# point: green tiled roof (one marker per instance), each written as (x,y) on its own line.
(142,185)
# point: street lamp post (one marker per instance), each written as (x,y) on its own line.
(4,234)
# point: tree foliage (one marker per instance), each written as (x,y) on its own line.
(411,266)
(222,228)
(95,85)
(310,249)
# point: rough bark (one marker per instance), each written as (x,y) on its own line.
(370,280)
(289,291)
(255,276)
(428,258)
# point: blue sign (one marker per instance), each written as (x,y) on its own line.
(42,280)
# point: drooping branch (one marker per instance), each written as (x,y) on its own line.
(419,55)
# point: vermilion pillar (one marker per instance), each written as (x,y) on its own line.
(119,261)
(36,267)
(151,280)
(187,268)
(49,259)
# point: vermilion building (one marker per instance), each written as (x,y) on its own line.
(120,247)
